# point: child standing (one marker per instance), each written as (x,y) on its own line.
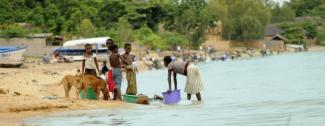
(89,62)
(129,70)
(193,79)
(109,74)
(114,59)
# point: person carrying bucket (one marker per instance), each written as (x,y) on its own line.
(194,83)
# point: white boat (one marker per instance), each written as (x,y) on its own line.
(11,56)
(74,49)
(294,47)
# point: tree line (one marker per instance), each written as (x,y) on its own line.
(155,23)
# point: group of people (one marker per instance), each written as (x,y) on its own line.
(113,69)
(116,62)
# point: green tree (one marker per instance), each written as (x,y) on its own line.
(86,28)
(319,11)
(321,35)
(145,36)
(111,11)
(304,7)
(12,31)
(173,39)
(20,11)
(311,29)
(36,17)
(251,28)
(282,13)
(191,20)
(294,32)
(74,21)
(6,12)
(124,30)
(245,20)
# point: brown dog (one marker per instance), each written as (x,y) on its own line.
(98,85)
(68,81)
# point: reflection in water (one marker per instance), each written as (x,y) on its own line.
(285,90)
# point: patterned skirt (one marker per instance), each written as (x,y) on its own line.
(193,81)
(132,82)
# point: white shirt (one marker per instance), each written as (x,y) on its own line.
(90,61)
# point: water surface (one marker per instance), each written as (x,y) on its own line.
(282,90)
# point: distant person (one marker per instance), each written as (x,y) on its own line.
(89,62)
(130,70)
(56,54)
(155,63)
(305,48)
(178,49)
(201,48)
(57,57)
(194,83)
(45,59)
(173,58)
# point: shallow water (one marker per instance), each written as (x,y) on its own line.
(282,90)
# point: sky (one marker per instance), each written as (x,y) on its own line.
(280,1)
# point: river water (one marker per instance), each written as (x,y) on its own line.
(281,90)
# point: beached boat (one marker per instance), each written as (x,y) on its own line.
(11,56)
(74,49)
(294,47)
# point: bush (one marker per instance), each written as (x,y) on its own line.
(321,35)
(12,31)
(145,36)
(173,39)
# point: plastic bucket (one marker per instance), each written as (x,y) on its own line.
(172,97)
(90,94)
(130,98)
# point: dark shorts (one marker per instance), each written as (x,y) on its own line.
(117,77)
(91,72)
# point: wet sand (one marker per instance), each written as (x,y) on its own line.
(33,90)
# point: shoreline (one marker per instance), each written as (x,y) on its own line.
(32,91)
(17,118)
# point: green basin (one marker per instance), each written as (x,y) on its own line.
(90,94)
(130,98)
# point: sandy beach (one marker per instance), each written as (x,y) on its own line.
(34,90)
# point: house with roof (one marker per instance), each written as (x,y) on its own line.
(273,40)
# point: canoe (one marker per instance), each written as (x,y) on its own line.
(11,56)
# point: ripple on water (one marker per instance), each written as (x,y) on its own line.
(283,90)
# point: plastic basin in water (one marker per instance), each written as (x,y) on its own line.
(172,97)
(130,98)
(90,94)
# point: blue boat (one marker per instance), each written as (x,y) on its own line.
(11,56)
